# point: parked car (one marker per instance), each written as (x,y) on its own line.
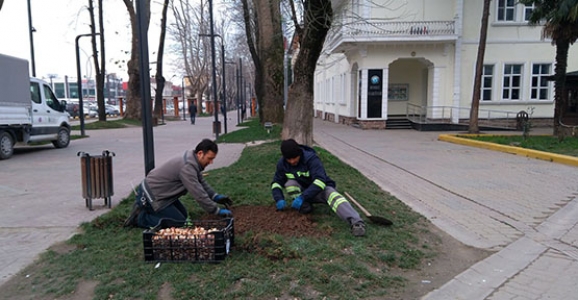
(90,111)
(73,109)
(111,110)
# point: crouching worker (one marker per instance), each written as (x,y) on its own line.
(301,175)
(157,197)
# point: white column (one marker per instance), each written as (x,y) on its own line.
(363,94)
(459,20)
(436,112)
(384,100)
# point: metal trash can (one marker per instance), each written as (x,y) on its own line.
(96,177)
(216,127)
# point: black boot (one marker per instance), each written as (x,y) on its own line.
(132,220)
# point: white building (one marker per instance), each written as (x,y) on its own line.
(415,59)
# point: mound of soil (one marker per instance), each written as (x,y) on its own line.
(267,220)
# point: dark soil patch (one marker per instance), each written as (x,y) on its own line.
(267,220)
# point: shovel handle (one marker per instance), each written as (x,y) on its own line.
(358,205)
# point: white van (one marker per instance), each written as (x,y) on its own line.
(29,110)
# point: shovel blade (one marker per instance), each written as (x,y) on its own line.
(380,220)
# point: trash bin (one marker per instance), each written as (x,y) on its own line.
(216,127)
(96,177)
(522,118)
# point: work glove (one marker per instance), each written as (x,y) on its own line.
(281,204)
(224,200)
(225,212)
(297,202)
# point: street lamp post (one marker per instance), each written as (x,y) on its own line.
(216,124)
(184,95)
(79,82)
(242,89)
(224,84)
(30,31)
(238,82)
(145,87)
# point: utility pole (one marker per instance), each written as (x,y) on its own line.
(224,85)
(79,82)
(216,124)
(31,30)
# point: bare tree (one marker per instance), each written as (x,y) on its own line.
(191,21)
(99,69)
(473,127)
(238,50)
(159,78)
(133,107)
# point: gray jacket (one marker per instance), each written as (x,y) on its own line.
(165,184)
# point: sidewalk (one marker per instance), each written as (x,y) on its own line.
(525,209)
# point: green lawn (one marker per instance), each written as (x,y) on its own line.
(546,143)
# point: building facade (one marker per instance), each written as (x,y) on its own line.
(416,59)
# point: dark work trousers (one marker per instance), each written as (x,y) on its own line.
(329,196)
(149,218)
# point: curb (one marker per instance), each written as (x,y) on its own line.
(551,157)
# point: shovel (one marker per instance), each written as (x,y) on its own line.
(374,219)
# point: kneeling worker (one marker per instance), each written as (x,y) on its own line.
(157,197)
(300,173)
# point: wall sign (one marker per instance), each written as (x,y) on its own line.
(374,93)
(398,92)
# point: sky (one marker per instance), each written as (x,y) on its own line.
(57,23)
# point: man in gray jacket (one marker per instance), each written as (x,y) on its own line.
(157,197)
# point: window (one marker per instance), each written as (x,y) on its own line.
(487,79)
(343,88)
(59,90)
(398,92)
(528,9)
(73,90)
(512,82)
(506,10)
(540,89)
(512,11)
(51,100)
(35,92)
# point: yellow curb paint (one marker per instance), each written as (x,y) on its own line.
(553,157)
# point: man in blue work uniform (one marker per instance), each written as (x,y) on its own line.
(301,175)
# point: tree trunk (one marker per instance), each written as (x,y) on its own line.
(265,42)
(474,128)
(99,75)
(272,52)
(102,75)
(133,96)
(160,80)
(299,109)
(562,46)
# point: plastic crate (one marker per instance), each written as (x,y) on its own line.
(212,247)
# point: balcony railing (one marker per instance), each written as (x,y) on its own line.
(376,31)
